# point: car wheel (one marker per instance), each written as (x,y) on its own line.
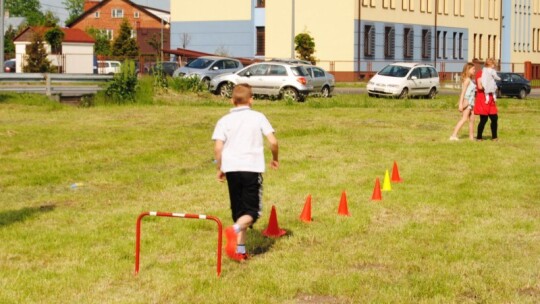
(432,93)
(290,93)
(225,89)
(522,94)
(404,94)
(325,92)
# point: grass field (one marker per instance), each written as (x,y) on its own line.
(463,227)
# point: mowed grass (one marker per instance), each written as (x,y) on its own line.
(463,227)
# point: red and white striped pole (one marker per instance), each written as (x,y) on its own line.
(178,215)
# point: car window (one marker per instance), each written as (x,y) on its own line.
(220,65)
(516,78)
(200,63)
(434,73)
(505,77)
(394,71)
(318,73)
(257,70)
(230,64)
(277,70)
(416,72)
(425,73)
(115,64)
(299,71)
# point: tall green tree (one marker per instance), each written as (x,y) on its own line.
(305,47)
(50,20)
(75,8)
(30,9)
(102,46)
(9,46)
(54,37)
(36,58)
(124,45)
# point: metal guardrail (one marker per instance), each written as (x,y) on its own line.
(43,83)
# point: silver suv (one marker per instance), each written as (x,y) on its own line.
(279,79)
(207,67)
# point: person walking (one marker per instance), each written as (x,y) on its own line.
(239,153)
(466,100)
(485,110)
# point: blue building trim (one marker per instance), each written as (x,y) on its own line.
(506,43)
(452,58)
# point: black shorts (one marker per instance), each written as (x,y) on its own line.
(245,192)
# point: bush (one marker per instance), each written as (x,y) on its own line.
(124,85)
(187,84)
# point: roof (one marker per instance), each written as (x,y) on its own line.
(153,12)
(70,35)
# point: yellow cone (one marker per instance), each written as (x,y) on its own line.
(386,184)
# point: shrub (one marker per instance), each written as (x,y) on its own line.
(124,85)
(187,84)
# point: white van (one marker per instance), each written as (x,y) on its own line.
(405,79)
(108,67)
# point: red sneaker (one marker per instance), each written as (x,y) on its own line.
(240,257)
(230,247)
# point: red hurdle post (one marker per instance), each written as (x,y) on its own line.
(178,215)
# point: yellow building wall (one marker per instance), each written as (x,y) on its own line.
(532,53)
(210,10)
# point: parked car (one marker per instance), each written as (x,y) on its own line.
(323,82)
(267,78)
(108,67)
(9,66)
(512,84)
(208,67)
(291,61)
(405,79)
(168,67)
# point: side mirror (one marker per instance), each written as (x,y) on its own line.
(247,74)
(414,77)
(215,68)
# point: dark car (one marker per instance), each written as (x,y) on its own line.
(168,67)
(512,84)
(9,66)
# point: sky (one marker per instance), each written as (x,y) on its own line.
(58,9)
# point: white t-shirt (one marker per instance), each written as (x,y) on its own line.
(242,132)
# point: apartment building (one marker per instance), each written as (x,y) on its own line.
(356,38)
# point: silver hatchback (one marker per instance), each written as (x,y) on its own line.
(208,67)
(267,78)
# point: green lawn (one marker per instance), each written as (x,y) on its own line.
(463,227)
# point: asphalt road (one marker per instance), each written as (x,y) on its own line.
(535,92)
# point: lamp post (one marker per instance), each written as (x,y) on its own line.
(2,37)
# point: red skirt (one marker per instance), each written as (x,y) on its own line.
(480,106)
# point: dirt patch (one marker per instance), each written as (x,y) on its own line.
(316,299)
(530,291)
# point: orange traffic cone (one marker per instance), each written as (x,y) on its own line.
(306,212)
(343,209)
(377,191)
(273,227)
(395,174)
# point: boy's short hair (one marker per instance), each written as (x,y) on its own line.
(241,93)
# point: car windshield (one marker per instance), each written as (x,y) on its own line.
(200,63)
(394,71)
(299,71)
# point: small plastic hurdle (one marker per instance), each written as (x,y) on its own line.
(178,215)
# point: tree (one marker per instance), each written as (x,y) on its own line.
(305,47)
(155,43)
(50,20)
(30,9)
(75,8)
(54,37)
(9,46)
(102,46)
(36,58)
(124,45)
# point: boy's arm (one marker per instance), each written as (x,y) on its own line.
(274,164)
(218,148)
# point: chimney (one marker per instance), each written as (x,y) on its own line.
(89,4)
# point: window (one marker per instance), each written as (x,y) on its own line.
(438,44)
(277,70)
(136,15)
(369,41)
(454,45)
(260,41)
(460,45)
(117,13)
(533,40)
(108,33)
(318,73)
(426,44)
(405,5)
(385,3)
(494,45)
(408,42)
(96,14)
(389,42)
(474,46)
(133,34)
(444,45)
(480,46)
(261,3)
(411,5)
(489,46)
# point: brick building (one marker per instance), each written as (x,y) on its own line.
(107,15)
